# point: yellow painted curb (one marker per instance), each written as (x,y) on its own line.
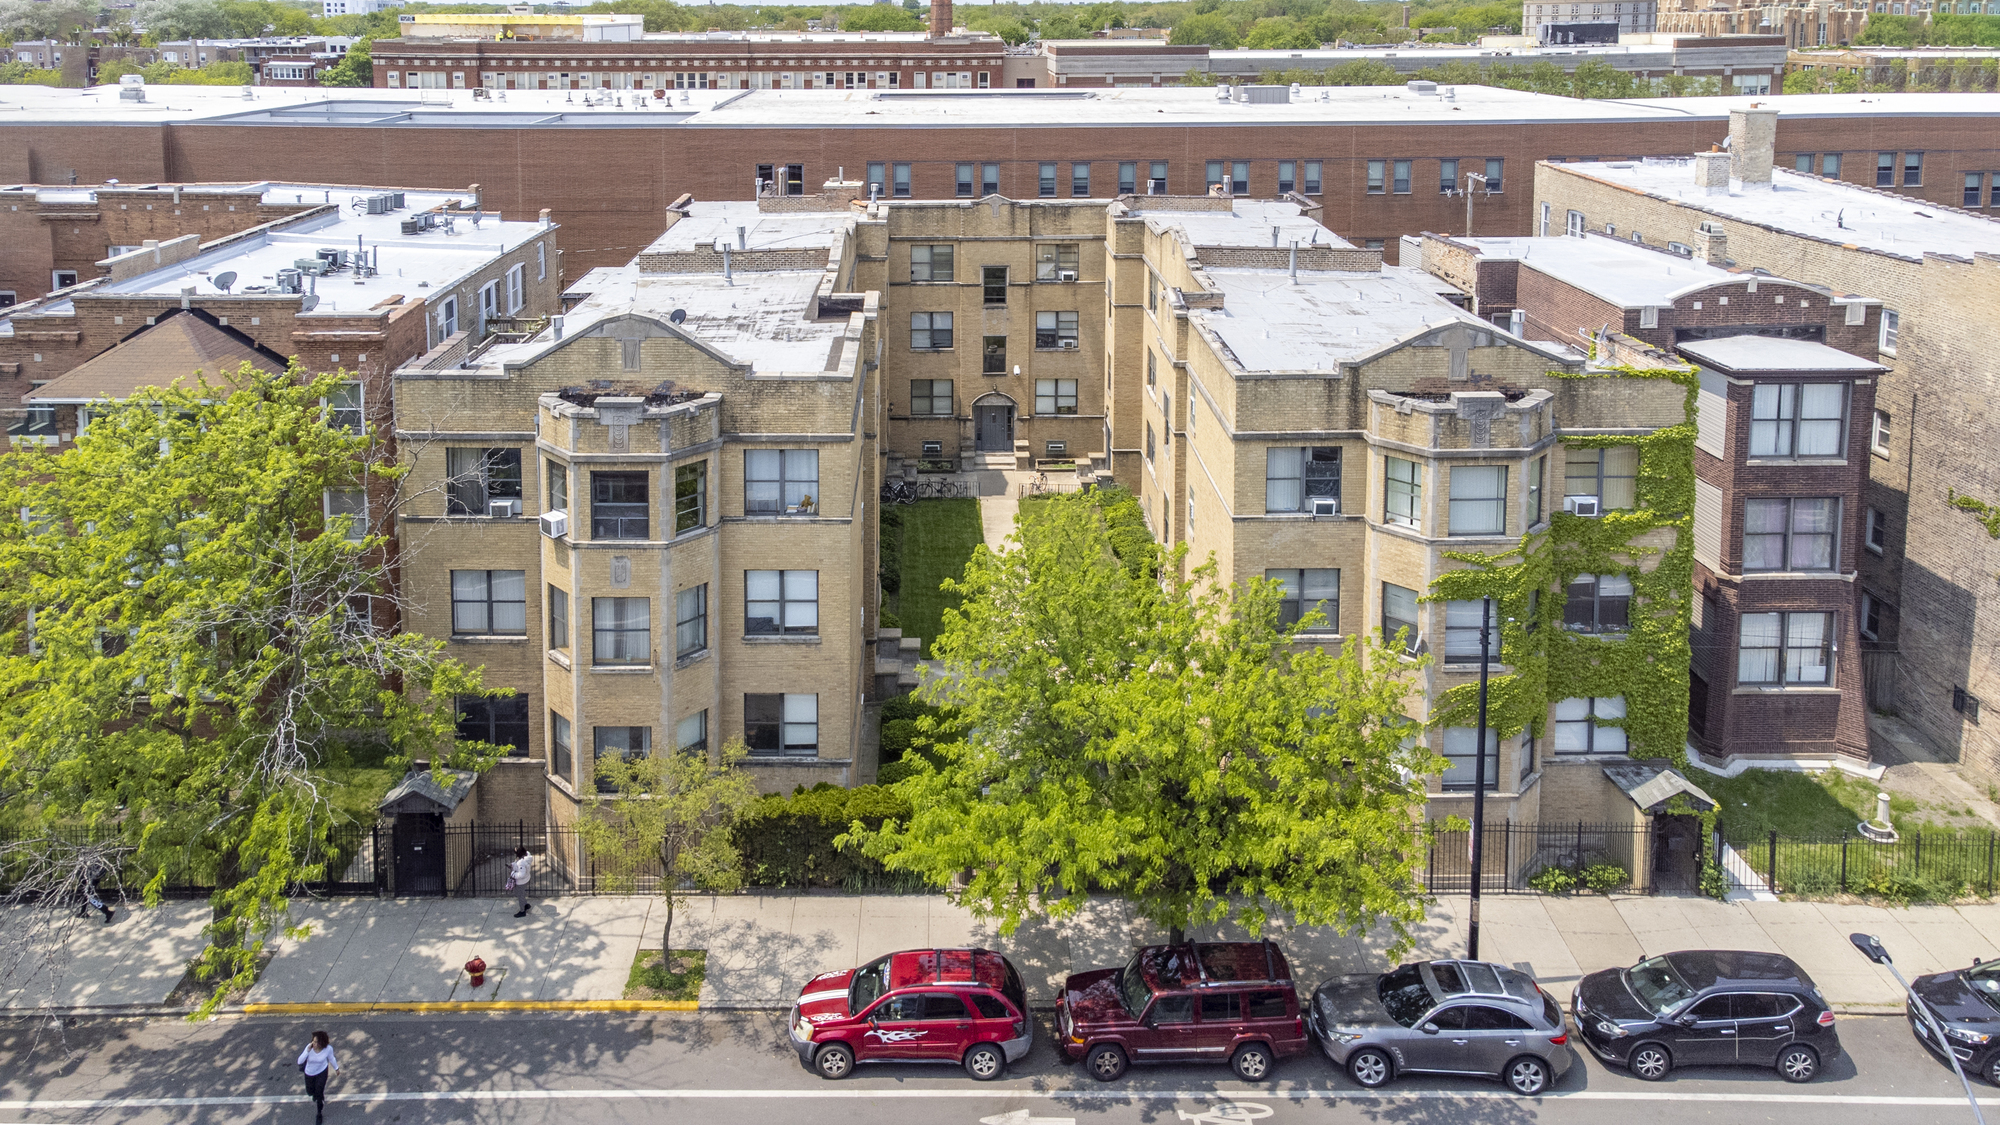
(345,1009)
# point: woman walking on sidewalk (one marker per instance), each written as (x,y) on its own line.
(316,1062)
(518,875)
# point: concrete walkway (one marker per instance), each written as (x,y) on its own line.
(996,517)
(761,947)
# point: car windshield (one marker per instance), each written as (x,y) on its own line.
(1985,978)
(1657,985)
(1405,995)
(870,982)
(1132,990)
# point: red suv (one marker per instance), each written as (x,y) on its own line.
(961,1006)
(1184,1003)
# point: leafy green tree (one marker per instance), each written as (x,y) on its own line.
(187,644)
(878,17)
(21,74)
(676,813)
(168,20)
(1166,740)
(1280,33)
(355,68)
(1207,28)
(1889,31)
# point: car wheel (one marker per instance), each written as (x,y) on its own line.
(1252,1062)
(1369,1068)
(1651,1061)
(1105,1063)
(835,1060)
(1527,1076)
(985,1062)
(1993,1069)
(1798,1063)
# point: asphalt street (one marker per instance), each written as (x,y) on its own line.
(534,1069)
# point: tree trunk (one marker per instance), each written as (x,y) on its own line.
(1176,935)
(667,937)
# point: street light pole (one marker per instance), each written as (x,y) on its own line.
(1469,178)
(1871,948)
(1479,777)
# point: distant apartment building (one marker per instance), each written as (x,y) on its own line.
(1812,23)
(1941,68)
(1925,605)
(1627,15)
(356,7)
(1787,377)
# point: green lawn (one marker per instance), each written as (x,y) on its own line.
(652,980)
(938,537)
(1811,805)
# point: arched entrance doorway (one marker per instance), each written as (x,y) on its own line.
(993,423)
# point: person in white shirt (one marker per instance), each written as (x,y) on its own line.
(518,875)
(316,1062)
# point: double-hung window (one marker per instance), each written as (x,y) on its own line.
(1496,168)
(1892,323)
(489,601)
(1400,177)
(989,180)
(1460,769)
(993,284)
(1785,649)
(1790,534)
(691,620)
(1447,176)
(691,733)
(1610,474)
(964,181)
(1079,180)
(561,762)
(1478,503)
(1312,590)
(780,481)
(899,182)
(1878,531)
(690,497)
(621,630)
(1296,476)
(1311,169)
(343,409)
(1288,176)
(1878,438)
(1156,177)
(1055,396)
(1537,470)
(1045,181)
(1403,495)
(1797,419)
(516,289)
(781,724)
(557,476)
(618,506)
(1598,603)
(930,331)
(352,504)
(1128,177)
(780,602)
(992,355)
(933,262)
(619,742)
(1055,330)
(1056,261)
(931,396)
(477,477)
(558,618)
(497,722)
(1578,730)
(1378,173)
(1399,613)
(1461,631)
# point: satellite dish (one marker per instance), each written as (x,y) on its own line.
(309,302)
(224,280)
(677,316)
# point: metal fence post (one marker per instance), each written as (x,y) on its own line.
(1773,879)
(1843,863)
(1579,845)
(1990,838)
(1919,870)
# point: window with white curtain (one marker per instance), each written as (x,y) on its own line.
(777,602)
(1797,419)
(1478,500)
(1577,730)
(1458,754)
(1785,649)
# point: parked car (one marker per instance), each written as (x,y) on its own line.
(1967,1004)
(963,1006)
(1443,1017)
(1206,1002)
(1704,1007)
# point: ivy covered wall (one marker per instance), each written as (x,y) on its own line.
(1652,544)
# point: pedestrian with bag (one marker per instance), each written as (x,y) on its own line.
(317,1062)
(93,894)
(518,876)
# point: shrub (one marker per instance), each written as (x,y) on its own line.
(1553,881)
(892,549)
(787,841)
(1606,877)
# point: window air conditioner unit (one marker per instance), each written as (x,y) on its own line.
(503,509)
(1324,505)
(1580,505)
(1066,345)
(1066,275)
(555,525)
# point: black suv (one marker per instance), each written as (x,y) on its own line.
(1967,1003)
(1704,1007)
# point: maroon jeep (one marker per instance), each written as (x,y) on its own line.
(1208,1002)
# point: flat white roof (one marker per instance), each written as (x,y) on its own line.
(1836,212)
(427,265)
(342,105)
(1250,224)
(1621,272)
(1832,105)
(1767,353)
(1269,323)
(715,223)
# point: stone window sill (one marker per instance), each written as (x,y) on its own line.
(760,639)
(489,638)
(622,669)
(695,657)
(562,659)
(1789,689)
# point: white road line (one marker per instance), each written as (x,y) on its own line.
(861,1093)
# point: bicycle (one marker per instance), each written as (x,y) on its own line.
(899,492)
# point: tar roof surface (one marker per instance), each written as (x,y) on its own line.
(1836,212)
(1271,324)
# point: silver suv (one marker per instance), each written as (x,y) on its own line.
(1442,1017)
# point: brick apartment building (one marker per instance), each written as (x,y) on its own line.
(1926,606)
(1384,154)
(1787,377)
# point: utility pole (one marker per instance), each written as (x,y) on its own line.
(1469,177)
(1479,764)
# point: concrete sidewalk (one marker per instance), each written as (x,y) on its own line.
(762,946)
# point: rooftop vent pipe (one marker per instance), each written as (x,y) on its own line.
(1295,261)
(555,325)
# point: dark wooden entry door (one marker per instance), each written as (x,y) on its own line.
(996,429)
(419,854)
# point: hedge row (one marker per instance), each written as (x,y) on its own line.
(787,840)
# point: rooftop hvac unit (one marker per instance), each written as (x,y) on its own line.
(503,509)
(1066,275)
(332,256)
(1580,505)
(395,199)
(378,204)
(413,226)
(289,281)
(315,266)
(555,525)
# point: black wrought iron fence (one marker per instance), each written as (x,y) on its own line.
(1663,856)
(1933,866)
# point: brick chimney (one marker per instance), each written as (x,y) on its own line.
(1753,139)
(940,18)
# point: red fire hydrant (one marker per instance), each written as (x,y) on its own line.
(476,969)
